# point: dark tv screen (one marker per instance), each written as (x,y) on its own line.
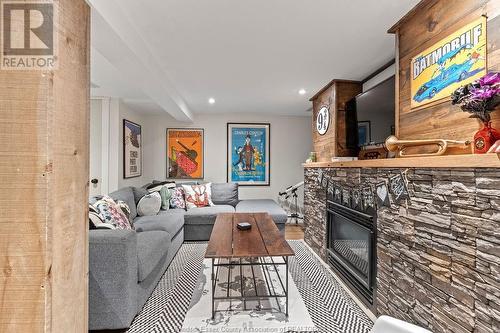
(375,113)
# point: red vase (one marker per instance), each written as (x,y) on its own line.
(485,138)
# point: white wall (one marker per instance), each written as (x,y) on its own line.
(385,74)
(126,113)
(290,145)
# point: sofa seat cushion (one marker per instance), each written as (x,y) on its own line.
(263,206)
(126,194)
(152,248)
(206,215)
(171,221)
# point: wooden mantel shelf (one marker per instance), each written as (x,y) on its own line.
(450,161)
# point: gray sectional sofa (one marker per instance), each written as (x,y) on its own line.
(126,265)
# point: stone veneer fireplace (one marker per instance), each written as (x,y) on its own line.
(437,253)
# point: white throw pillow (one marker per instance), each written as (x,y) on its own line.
(198,195)
(149,204)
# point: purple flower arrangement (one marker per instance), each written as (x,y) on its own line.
(479,97)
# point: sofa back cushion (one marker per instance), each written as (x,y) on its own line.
(225,194)
(126,194)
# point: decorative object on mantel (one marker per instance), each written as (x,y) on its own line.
(382,195)
(397,184)
(393,144)
(373,152)
(495,148)
(312,157)
(343,159)
(480,98)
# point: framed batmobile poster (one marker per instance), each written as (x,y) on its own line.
(456,60)
(185,148)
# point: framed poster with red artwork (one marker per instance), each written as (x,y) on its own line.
(185,149)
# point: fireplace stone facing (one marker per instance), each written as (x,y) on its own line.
(438,253)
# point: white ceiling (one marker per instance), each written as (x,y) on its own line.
(250,55)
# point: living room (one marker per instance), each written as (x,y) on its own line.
(260,166)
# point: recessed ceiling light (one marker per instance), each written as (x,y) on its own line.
(302,92)
(211,100)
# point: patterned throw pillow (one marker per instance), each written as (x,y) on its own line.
(198,195)
(112,213)
(96,220)
(125,209)
(177,200)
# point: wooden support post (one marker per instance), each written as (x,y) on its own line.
(44,161)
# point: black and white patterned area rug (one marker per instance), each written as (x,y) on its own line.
(330,307)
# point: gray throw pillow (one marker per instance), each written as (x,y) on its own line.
(225,194)
(149,204)
(139,192)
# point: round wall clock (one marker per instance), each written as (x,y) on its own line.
(322,120)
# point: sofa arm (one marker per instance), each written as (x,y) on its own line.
(112,278)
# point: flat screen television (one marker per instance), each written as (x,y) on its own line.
(370,115)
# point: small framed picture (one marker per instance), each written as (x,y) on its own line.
(364,133)
(132,149)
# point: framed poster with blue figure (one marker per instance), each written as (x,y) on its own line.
(248,153)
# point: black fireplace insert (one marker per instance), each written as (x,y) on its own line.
(351,248)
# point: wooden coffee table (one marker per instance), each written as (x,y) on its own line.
(260,245)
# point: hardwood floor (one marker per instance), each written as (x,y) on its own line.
(294,231)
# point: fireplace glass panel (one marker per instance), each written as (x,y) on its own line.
(351,242)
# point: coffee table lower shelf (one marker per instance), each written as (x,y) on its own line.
(252,262)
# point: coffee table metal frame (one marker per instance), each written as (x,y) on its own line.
(254,261)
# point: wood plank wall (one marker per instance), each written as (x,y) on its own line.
(44,130)
(334,95)
(432,21)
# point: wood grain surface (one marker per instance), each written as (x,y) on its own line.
(334,96)
(452,161)
(262,240)
(430,22)
(44,128)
